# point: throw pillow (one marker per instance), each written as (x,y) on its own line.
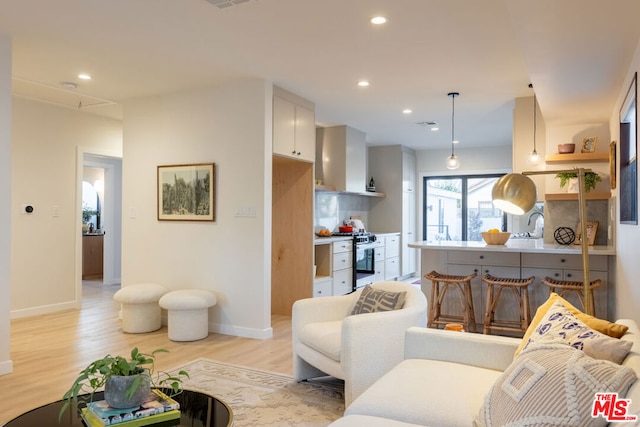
(615,330)
(373,300)
(560,326)
(552,385)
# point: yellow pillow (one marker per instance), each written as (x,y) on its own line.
(614,330)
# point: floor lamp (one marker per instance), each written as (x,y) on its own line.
(516,194)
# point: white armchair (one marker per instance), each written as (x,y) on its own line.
(359,349)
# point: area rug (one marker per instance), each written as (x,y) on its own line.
(260,398)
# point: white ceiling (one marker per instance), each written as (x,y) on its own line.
(575,52)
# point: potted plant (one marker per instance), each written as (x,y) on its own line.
(590,179)
(126,382)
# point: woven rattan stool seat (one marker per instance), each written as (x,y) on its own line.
(520,291)
(440,283)
(562,287)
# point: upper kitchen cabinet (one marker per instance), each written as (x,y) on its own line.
(341,158)
(294,128)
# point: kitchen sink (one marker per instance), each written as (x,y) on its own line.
(525,235)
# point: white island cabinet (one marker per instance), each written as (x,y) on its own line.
(518,259)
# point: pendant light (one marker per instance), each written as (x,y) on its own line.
(534,157)
(452,161)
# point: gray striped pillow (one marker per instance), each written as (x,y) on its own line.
(552,385)
(373,300)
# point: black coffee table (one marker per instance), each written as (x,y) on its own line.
(195,409)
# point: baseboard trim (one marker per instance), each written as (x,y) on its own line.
(44,309)
(6,367)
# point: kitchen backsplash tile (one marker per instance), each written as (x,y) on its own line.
(333,208)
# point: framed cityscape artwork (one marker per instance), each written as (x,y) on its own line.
(186,192)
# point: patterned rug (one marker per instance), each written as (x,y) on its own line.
(260,398)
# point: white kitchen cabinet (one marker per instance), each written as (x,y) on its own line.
(342,267)
(392,256)
(463,263)
(566,267)
(379,264)
(294,131)
(394,170)
(408,172)
(334,268)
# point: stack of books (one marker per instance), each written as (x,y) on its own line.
(159,408)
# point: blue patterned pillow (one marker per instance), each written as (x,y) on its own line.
(559,325)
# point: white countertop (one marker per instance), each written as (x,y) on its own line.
(331,239)
(513,245)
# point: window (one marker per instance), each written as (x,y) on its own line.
(459,207)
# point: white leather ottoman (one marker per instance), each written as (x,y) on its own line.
(140,309)
(188,313)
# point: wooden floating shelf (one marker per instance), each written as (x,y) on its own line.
(577,157)
(325,188)
(574,196)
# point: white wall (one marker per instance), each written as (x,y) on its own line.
(231,127)
(6,366)
(45,271)
(627,290)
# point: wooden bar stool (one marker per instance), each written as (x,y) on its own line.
(439,287)
(562,287)
(520,291)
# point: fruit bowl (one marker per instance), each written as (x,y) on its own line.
(499,238)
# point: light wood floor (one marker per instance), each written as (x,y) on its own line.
(49,350)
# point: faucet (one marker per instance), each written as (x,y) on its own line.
(532,215)
(539,226)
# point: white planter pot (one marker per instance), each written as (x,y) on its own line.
(572,185)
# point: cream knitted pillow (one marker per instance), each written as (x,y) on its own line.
(552,385)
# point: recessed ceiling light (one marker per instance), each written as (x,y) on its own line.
(435,129)
(378,20)
(407,111)
(84,76)
(363,83)
(455,141)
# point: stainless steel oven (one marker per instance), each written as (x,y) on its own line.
(364,253)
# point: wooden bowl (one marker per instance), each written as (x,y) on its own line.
(496,238)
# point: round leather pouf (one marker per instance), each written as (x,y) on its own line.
(564,235)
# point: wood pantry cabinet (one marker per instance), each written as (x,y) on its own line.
(92,256)
(294,128)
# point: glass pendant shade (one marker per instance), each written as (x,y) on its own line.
(453,162)
(533,158)
(514,193)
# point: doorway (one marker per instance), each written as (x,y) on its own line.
(100,189)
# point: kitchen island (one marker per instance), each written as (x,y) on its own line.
(519,258)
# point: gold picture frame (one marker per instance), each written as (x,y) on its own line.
(592,228)
(186,192)
(589,144)
(612,164)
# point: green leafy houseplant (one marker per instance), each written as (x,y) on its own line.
(139,365)
(590,179)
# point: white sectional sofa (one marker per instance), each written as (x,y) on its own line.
(445,377)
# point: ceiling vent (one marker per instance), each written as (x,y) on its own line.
(427,123)
(223,4)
